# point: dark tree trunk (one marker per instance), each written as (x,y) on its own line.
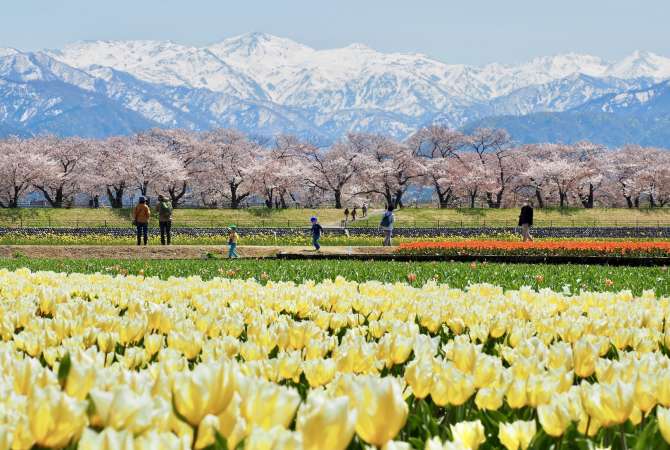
(338,198)
(473,199)
(115,197)
(540,199)
(563,196)
(443,197)
(629,201)
(587,201)
(652,201)
(398,199)
(57,200)
(494,202)
(177,194)
(235,197)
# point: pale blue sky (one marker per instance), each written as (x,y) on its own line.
(467,31)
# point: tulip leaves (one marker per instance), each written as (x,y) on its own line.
(64,370)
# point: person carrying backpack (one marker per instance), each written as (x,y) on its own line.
(164,209)
(141,214)
(387,225)
(233,237)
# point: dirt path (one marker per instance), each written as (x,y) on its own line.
(167,252)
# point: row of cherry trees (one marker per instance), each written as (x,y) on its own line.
(225,167)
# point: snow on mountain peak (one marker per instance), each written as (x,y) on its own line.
(641,64)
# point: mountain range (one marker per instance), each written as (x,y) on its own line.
(265,85)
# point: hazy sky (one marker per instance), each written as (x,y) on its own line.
(465,31)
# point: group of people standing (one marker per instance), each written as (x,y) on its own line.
(142,214)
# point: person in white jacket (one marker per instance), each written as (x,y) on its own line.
(387,225)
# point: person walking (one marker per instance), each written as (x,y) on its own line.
(233,237)
(526,221)
(353,214)
(365,209)
(387,225)
(141,214)
(164,209)
(346,217)
(316,231)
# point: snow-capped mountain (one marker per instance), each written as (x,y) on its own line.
(267,84)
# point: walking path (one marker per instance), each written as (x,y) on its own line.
(170,252)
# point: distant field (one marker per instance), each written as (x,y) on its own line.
(459,275)
(408,217)
(88,217)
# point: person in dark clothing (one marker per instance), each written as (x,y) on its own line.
(526,221)
(386,225)
(353,214)
(164,208)
(317,230)
(365,209)
(346,217)
(96,201)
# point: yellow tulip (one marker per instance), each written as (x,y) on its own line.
(610,404)
(470,434)
(122,409)
(585,356)
(489,398)
(663,417)
(5,437)
(319,371)
(266,405)
(419,376)
(325,424)
(190,344)
(153,343)
(517,435)
(108,439)
(435,443)
(380,407)
(554,418)
(276,438)
(516,395)
(153,440)
(663,387)
(645,392)
(55,418)
(206,390)
(107,341)
(451,386)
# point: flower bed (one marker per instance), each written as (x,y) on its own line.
(544,247)
(134,362)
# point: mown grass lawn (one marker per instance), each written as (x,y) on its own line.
(294,217)
(90,217)
(570,278)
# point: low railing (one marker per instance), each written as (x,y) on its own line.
(47,222)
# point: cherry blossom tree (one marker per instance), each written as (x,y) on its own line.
(114,168)
(22,162)
(439,146)
(183,146)
(493,148)
(332,170)
(69,158)
(388,167)
(228,166)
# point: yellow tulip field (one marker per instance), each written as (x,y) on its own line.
(127,362)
